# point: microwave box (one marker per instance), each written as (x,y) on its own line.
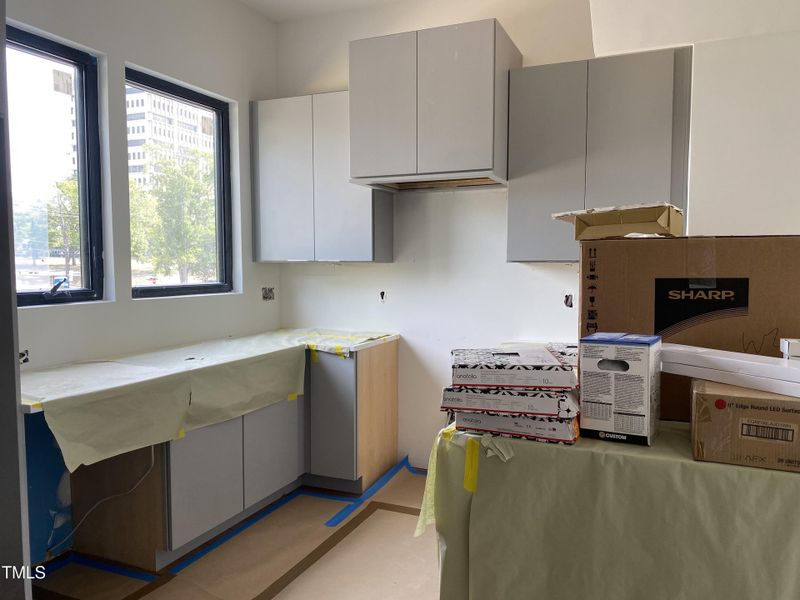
(620,376)
(545,429)
(747,427)
(727,293)
(548,366)
(543,403)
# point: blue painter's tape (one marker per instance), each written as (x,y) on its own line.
(55,565)
(78,559)
(371,491)
(233,532)
(416,471)
(352,505)
(116,569)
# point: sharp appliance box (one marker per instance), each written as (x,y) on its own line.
(727,293)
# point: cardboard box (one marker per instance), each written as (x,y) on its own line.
(746,427)
(543,403)
(790,347)
(765,373)
(551,366)
(620,376)
(546,429)
(729,293)
(618,221)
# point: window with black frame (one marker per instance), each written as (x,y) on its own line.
(179,189)
(54,150)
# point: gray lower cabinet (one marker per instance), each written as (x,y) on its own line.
(205,480)
(332,410)
(604,132)
(273,448)
(547,159)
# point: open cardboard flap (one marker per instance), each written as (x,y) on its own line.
(619,221)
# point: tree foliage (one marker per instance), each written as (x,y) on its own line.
(64,222)
(173,224)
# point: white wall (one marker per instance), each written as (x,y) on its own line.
(745,142)
(450,285)
(313,52)
(219,46)
(621,26)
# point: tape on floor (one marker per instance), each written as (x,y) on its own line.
(78,559)
(371,491)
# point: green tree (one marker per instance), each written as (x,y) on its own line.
(184,235)
(144,221)
(64,222)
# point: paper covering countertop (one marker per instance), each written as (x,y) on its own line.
(99,409)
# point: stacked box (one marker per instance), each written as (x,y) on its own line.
(526,391)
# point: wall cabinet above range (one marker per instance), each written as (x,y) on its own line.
(430,108)
(305,208)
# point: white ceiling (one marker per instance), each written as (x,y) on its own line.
(286,10)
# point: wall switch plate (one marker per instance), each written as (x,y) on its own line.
(267,293)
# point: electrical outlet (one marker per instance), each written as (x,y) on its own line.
(267,293)
(24,357)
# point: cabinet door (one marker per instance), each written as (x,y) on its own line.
(283,171)
(629,136)
(547,159)
(383,105)
(456,97)
(273,443)
(342,210)
(205,480)
(332,416)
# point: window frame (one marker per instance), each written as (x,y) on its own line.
(87,118)
(222,166)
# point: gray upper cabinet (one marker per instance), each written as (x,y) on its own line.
(351,222)
(629,137)
(456,98)
(604,132)
(383,105)
(459,130)
(547,159)
(328,218)
(283,159)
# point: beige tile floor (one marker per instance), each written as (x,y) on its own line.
(379,558)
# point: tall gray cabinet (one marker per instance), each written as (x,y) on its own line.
(587,134)
(305,208)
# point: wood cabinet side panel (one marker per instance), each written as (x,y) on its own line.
(131,528)
(377,410)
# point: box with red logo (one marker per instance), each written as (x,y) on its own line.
(747,427)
